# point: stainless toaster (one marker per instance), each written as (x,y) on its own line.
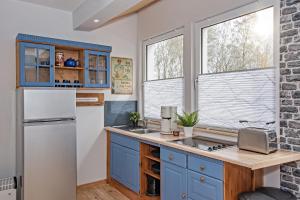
(257,140)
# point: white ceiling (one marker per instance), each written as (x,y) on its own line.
(84,12)
(67,5)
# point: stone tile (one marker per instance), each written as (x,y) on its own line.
(289,10)
(288,185)
(294,124)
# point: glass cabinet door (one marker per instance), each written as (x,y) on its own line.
(36,65)
(97,69)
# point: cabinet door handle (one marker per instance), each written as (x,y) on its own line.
(202,179)
(171,157)
(183,196)
(202,167)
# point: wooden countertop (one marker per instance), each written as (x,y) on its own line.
(231,154)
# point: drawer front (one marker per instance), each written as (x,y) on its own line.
(173,156)
(207,166)
(201,187)
(125,141)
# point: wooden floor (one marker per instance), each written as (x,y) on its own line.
(101,191)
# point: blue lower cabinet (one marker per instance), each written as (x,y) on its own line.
(124,166)
(116,160)
(202,187)
(132,169)
(173,182)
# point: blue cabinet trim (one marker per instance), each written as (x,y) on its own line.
(53,41)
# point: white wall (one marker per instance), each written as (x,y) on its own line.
(91,145)
(19,17)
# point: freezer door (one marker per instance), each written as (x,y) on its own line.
(50,161)
(49,104)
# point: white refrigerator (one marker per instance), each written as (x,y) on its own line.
(46,144)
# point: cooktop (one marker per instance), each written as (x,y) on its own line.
(205,143)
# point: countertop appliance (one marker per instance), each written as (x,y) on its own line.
(256,139)
(46,144)
(8,189)
(205,143)
(153,186)
(168,119)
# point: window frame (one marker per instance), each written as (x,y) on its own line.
(229,15)
(159,38)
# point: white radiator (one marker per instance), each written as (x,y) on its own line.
(8,189)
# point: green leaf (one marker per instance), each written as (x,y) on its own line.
(134,117)
(188,119)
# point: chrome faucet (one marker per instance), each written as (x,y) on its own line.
(145,123)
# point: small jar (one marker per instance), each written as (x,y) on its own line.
(176,132)
(59,58)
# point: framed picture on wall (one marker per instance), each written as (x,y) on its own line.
(122,74)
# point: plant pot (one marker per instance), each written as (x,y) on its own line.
(188,131)
(134,124)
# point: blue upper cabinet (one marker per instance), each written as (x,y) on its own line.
(36,65)
(97,69)
(49,62)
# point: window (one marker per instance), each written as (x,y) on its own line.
(237,77)
(163,84)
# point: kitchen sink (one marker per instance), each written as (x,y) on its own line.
(138,130)
(143,131)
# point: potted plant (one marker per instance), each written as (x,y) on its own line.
(134,117)
(188,121)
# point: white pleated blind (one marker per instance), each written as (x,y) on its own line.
(226,98)
(168,92)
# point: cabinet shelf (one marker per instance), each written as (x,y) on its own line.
(97,70)
(145,197)
(76,85)
(152,158)
(37,66)
(148,172)
(69,68)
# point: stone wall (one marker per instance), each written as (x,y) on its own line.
(290,91)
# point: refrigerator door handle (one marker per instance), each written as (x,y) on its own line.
(49,120)
(45,123)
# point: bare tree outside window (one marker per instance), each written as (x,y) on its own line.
(242,43)
(165,59)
